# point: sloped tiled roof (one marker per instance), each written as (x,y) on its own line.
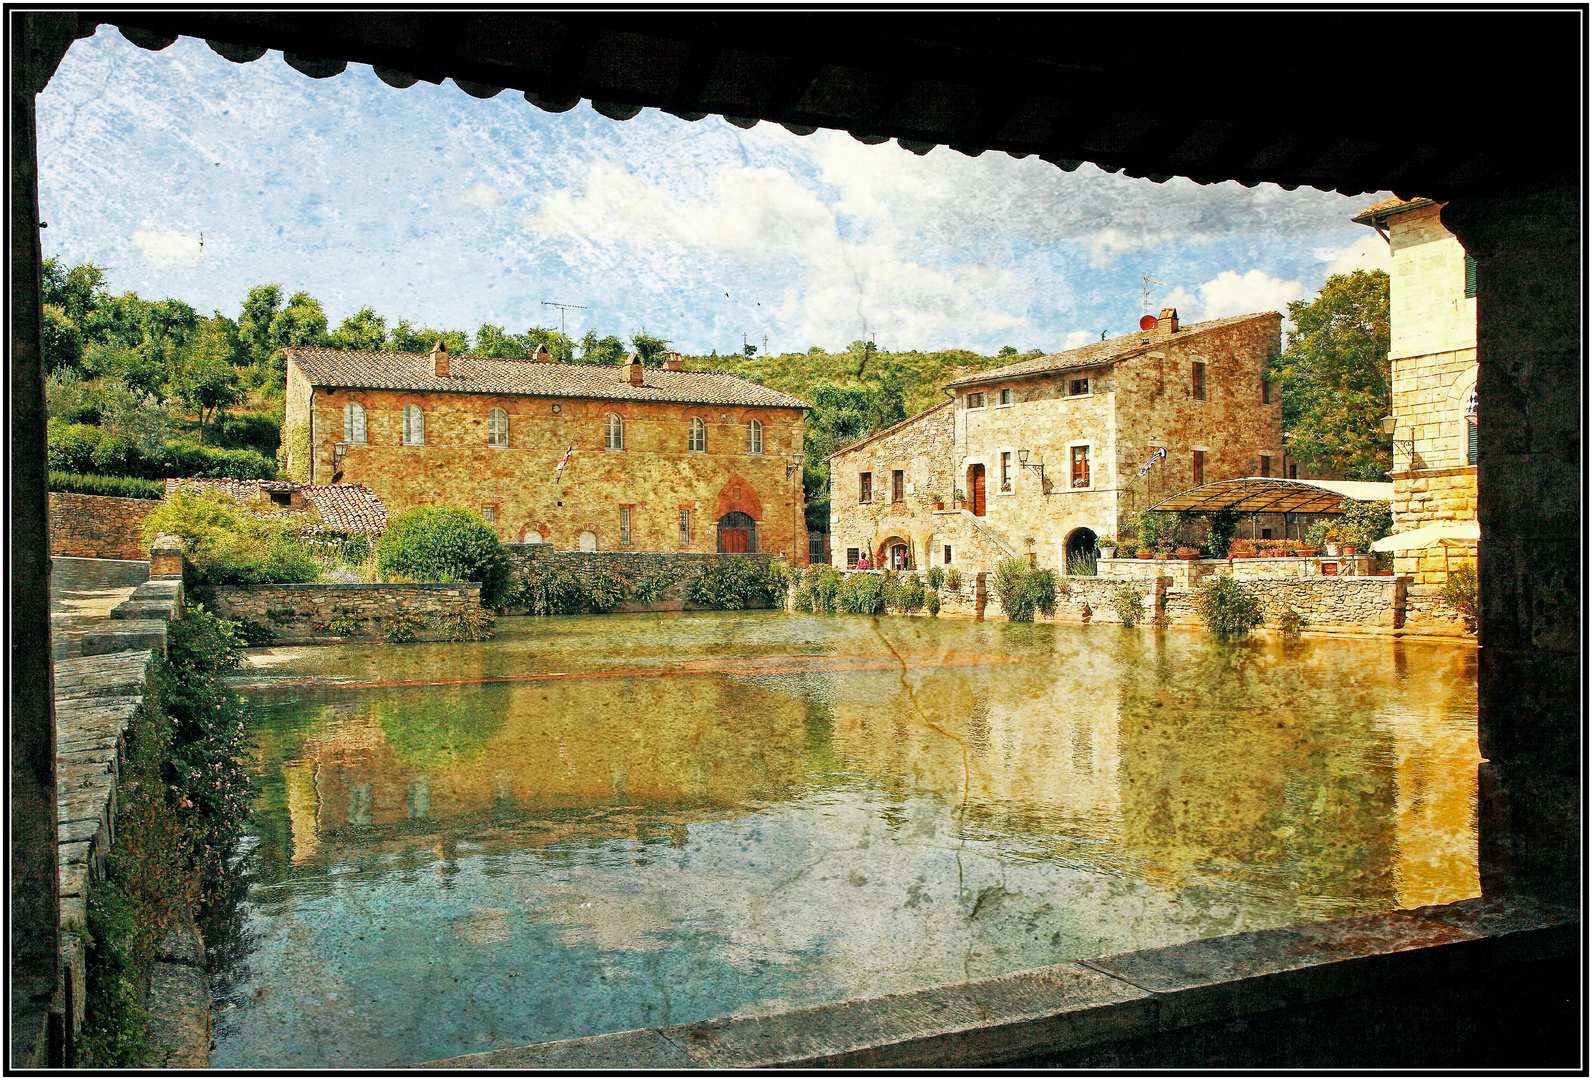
(1104,352)
(477,375)
(1389,206)
(345,508)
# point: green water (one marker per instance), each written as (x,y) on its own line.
(598,824)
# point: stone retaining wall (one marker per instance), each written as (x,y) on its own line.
(635,565)
(98,526)
(300,614)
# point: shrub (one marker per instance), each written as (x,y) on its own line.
(910,595)
(730,584)
(818,590)
(936,577)
(953,579)
(860,594)
(116,487)
(190,459)
(71,446)
(1364,523)
(468,624)
(1023,589)
(555,591)
(933,604)
(259,432)
(401,626)
(1220,527)
(1226,608)
(344,622)
(1290,622)
(1460,592)
(255,633)
(652,586)
(425,542)
(228,544)
(606,591)
(1128,602)
(1083,564)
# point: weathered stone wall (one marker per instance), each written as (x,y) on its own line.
(1428,307)
(1325,602)
(97,526)
(655,476)
(293,611)
(1422,498)
(921,448)
(636,565)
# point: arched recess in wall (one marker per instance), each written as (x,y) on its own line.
(738,496)
(737,534)
(895,553)
(1080,543)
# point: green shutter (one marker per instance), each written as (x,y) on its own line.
(1471,454)
(1470,277)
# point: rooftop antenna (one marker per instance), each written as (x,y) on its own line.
(1148,281)
(561,309)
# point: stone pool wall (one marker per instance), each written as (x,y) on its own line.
(301,614)
(635,565)
(98,526)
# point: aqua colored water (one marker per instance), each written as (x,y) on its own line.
(604,823)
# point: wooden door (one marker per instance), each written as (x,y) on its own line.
(735,541)
(978,490)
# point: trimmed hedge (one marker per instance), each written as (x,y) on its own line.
(116,487)
(72,448)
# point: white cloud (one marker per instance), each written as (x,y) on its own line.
(1077,340)
(1369,252)
(1189,308)
(481,195)
(1229,294)
(167,246)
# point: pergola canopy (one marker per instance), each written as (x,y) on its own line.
(1274,495)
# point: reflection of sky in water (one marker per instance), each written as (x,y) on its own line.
(712,821)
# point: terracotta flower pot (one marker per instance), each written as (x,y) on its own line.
(1145,554)
(939,506)
(1349,549)
(1162,556)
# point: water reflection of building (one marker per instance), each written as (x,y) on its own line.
(519,765)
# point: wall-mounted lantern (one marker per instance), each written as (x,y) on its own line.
(793,465)
(1022,459)
(1389,423)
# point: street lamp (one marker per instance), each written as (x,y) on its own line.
(1022,459)
(1389,423)
(793,465)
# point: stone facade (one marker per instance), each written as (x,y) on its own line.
(635,565)
(97,526)
(702,448)
(1108,407)
(1433,354)
(293,611)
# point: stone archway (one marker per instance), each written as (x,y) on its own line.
(737,534)
(1080,543)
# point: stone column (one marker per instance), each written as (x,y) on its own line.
(1527,244)
(38,41)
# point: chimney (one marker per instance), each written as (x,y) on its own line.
(439,357)
(672,362)
(633,370)
(1169,319)
(541,355)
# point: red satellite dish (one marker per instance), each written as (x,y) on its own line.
(1149,322)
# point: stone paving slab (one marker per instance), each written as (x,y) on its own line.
(123,636)
(644,1049)
(179,1017)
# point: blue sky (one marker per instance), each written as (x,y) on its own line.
(429,204)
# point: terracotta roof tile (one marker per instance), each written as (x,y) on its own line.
(1389,206)
(477,375)
(1103,352)
(344,508)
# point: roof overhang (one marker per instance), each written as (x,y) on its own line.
(1440,534)
(1274,495)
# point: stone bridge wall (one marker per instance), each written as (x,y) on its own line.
(293,612)
(98,526)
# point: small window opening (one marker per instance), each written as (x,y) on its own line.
(1199,381)
(898,486)
(865,487)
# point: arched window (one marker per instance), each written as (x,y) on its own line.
(754,437)
(614,437)
(497,428)
(414,426)
(698,440)
(353,422)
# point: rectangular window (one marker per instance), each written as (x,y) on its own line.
(1265,464)
(1199,381)
(948,554)
(1470,453)
(1199,467)
(1006,397)
(975,401)
(865,487)
(1265,534)
(1006,470)
(851,558)
(1265,391)
(1078,388)
(1293,471)
(898,486)
(624,524)
(1470,277)
(1080,466)
(685,528)
(489,514)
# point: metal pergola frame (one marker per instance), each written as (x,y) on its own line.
(1275,495)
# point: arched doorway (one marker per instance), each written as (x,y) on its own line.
(895,554)
(975,489)
(1080,544)
(737,533)
(588,541)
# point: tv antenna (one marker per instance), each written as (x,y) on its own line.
(561,309)
(1148,281)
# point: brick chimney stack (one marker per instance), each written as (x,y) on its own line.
(633,369)
(541,355)
(439,357)
(1169,320)
(672,362)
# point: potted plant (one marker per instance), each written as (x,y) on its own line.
(1188,553)
(1144,551)
(1349,549)
(938,501)
(1107,546)
(1163,550)
(959,499)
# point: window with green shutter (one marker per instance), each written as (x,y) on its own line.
(1470,277)
(1470,455)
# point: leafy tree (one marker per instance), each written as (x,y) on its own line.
(447,543)
(76,291)
(1336,378)
(560,346)
(649,348)
(363,331)
(133,425)
(254,324)
(62,341)
(207,383)
(405,337)
(606,350)
(494,341)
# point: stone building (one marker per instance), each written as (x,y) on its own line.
(580,456)
(1043,456)
(1432,308)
